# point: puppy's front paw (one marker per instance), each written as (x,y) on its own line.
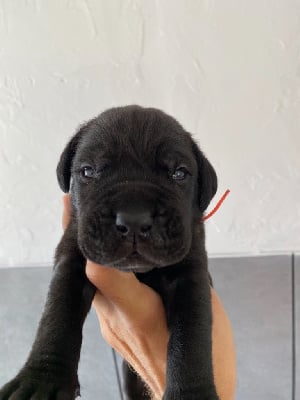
(197,393)
(26,386)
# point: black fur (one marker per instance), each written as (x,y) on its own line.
(134,153)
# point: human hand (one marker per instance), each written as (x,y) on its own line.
(132,320)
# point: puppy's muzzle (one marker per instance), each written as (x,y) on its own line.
(134,224)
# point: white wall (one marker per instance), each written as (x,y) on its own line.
(228,70)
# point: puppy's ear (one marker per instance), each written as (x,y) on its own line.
(63,169)
(207,179)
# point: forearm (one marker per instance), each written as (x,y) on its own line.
(224,361)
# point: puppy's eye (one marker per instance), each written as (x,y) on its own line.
(180,174)
(87,172)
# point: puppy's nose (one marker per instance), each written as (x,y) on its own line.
(139,223)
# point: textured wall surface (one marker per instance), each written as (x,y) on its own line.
(229,71)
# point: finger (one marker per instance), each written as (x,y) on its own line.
(122,288)
(66,211)
(108,280)
(111,282)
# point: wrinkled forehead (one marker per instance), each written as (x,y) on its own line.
(140,138)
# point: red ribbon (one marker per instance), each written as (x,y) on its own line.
(215,209)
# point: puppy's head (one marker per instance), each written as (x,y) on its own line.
(139,185)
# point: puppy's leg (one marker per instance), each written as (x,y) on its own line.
(189,358)
(50,371)
(134,387)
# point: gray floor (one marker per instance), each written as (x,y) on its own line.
(257,293)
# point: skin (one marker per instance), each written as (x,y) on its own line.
(132,321)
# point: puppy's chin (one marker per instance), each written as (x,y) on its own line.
(133,262)
(136,268)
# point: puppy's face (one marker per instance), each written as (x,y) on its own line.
(139,186)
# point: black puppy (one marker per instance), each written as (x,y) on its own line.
(139,186)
